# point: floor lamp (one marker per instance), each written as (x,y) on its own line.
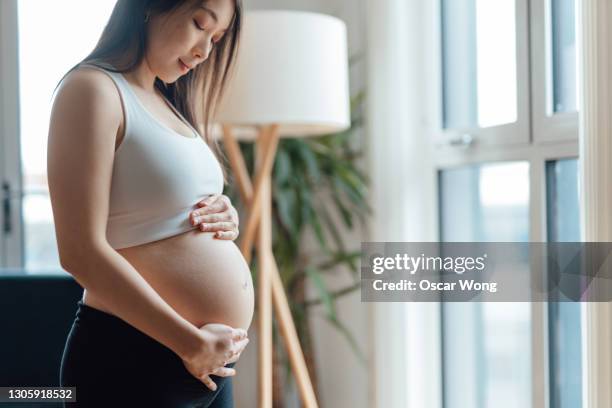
(290,80)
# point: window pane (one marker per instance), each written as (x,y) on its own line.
(479,63)
(564,317)
(40,244)
(486,345)
(564,55)
(485,203)
(57,33)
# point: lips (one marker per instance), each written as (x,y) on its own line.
(185,66)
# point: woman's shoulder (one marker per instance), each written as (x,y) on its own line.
(87,85)
(88,79)
(87,94)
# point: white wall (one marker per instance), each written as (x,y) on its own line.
(342,381)
(404,344)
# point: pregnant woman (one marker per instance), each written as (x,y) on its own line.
(140,220)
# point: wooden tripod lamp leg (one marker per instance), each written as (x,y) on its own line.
(238,165)
(292,342)
(266,144)
(270,286)
(264,287)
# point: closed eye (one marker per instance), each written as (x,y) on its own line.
(197,25)
(202,29)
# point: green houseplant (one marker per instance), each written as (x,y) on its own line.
(304,170)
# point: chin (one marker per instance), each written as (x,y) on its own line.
(169,78)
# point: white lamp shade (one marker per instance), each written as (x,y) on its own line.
(291,70)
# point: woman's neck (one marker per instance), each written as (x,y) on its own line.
(142,76)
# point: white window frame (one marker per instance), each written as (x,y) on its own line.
(510,134)
(548,126)
(11,248)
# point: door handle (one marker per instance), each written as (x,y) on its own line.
(7,226)
(465,140)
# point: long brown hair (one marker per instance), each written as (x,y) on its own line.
(196,95)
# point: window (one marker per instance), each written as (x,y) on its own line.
(507,171)
(563,29)
(493,200)
(565,367)
(486,345)
(479,63)
(554,67)
(484,76)
(46,48)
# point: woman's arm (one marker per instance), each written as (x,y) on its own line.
(84,121)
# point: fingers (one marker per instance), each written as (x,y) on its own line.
(240,345)
(228,235)
(222,230)
(237,349)
(239,334)
(207,216)
(217,215)
(199,216)
(214,203)
(209,200)
(214,197)
(216,222)
(209,383)
(224,372)
(221,225)
(228,342)
(240,342)
(235,357)
(235,342)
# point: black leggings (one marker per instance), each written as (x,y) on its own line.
(113,364)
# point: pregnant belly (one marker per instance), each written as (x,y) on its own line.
(206,280)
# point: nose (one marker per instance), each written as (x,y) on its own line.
(200,55)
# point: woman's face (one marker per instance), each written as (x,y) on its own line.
(181,40)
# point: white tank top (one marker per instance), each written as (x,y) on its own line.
(158,175)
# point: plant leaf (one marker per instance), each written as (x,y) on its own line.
(331,227)
(316,225)
(319,284)
(310,161)
(340,257)
(282,168)
(285,201)
(350,338)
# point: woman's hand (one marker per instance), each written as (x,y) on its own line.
(216,214)
(222,345)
